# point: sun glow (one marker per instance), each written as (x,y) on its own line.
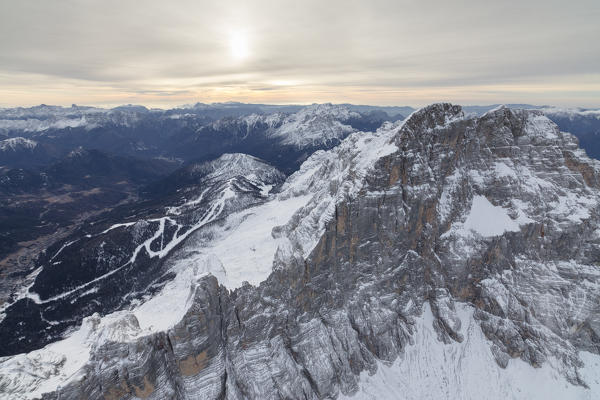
(239,46)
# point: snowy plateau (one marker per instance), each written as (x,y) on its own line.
(444,256)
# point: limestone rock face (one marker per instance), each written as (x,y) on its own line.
(486,228)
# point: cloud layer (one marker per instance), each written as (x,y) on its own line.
(378,52)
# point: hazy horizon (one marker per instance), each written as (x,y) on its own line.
(175,106)
(386,53)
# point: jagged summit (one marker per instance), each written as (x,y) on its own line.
(315,124)
(431,257)
(311,126)
(432,116)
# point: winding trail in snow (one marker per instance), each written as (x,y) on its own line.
(212,214)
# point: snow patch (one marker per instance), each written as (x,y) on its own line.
(485,219)
(504,171)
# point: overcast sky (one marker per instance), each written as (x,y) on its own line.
(162,53)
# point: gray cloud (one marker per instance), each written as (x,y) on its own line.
(104,51)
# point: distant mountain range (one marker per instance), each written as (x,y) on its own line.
(42,134)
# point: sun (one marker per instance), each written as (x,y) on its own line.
(239,46)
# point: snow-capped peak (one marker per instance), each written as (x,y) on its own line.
(315,125)
(17,143)
(230,165)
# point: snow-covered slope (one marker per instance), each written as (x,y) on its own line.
(430,369)
(244,249)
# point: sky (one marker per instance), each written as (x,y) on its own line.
(167,53)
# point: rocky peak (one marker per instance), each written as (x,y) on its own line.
(438,114)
